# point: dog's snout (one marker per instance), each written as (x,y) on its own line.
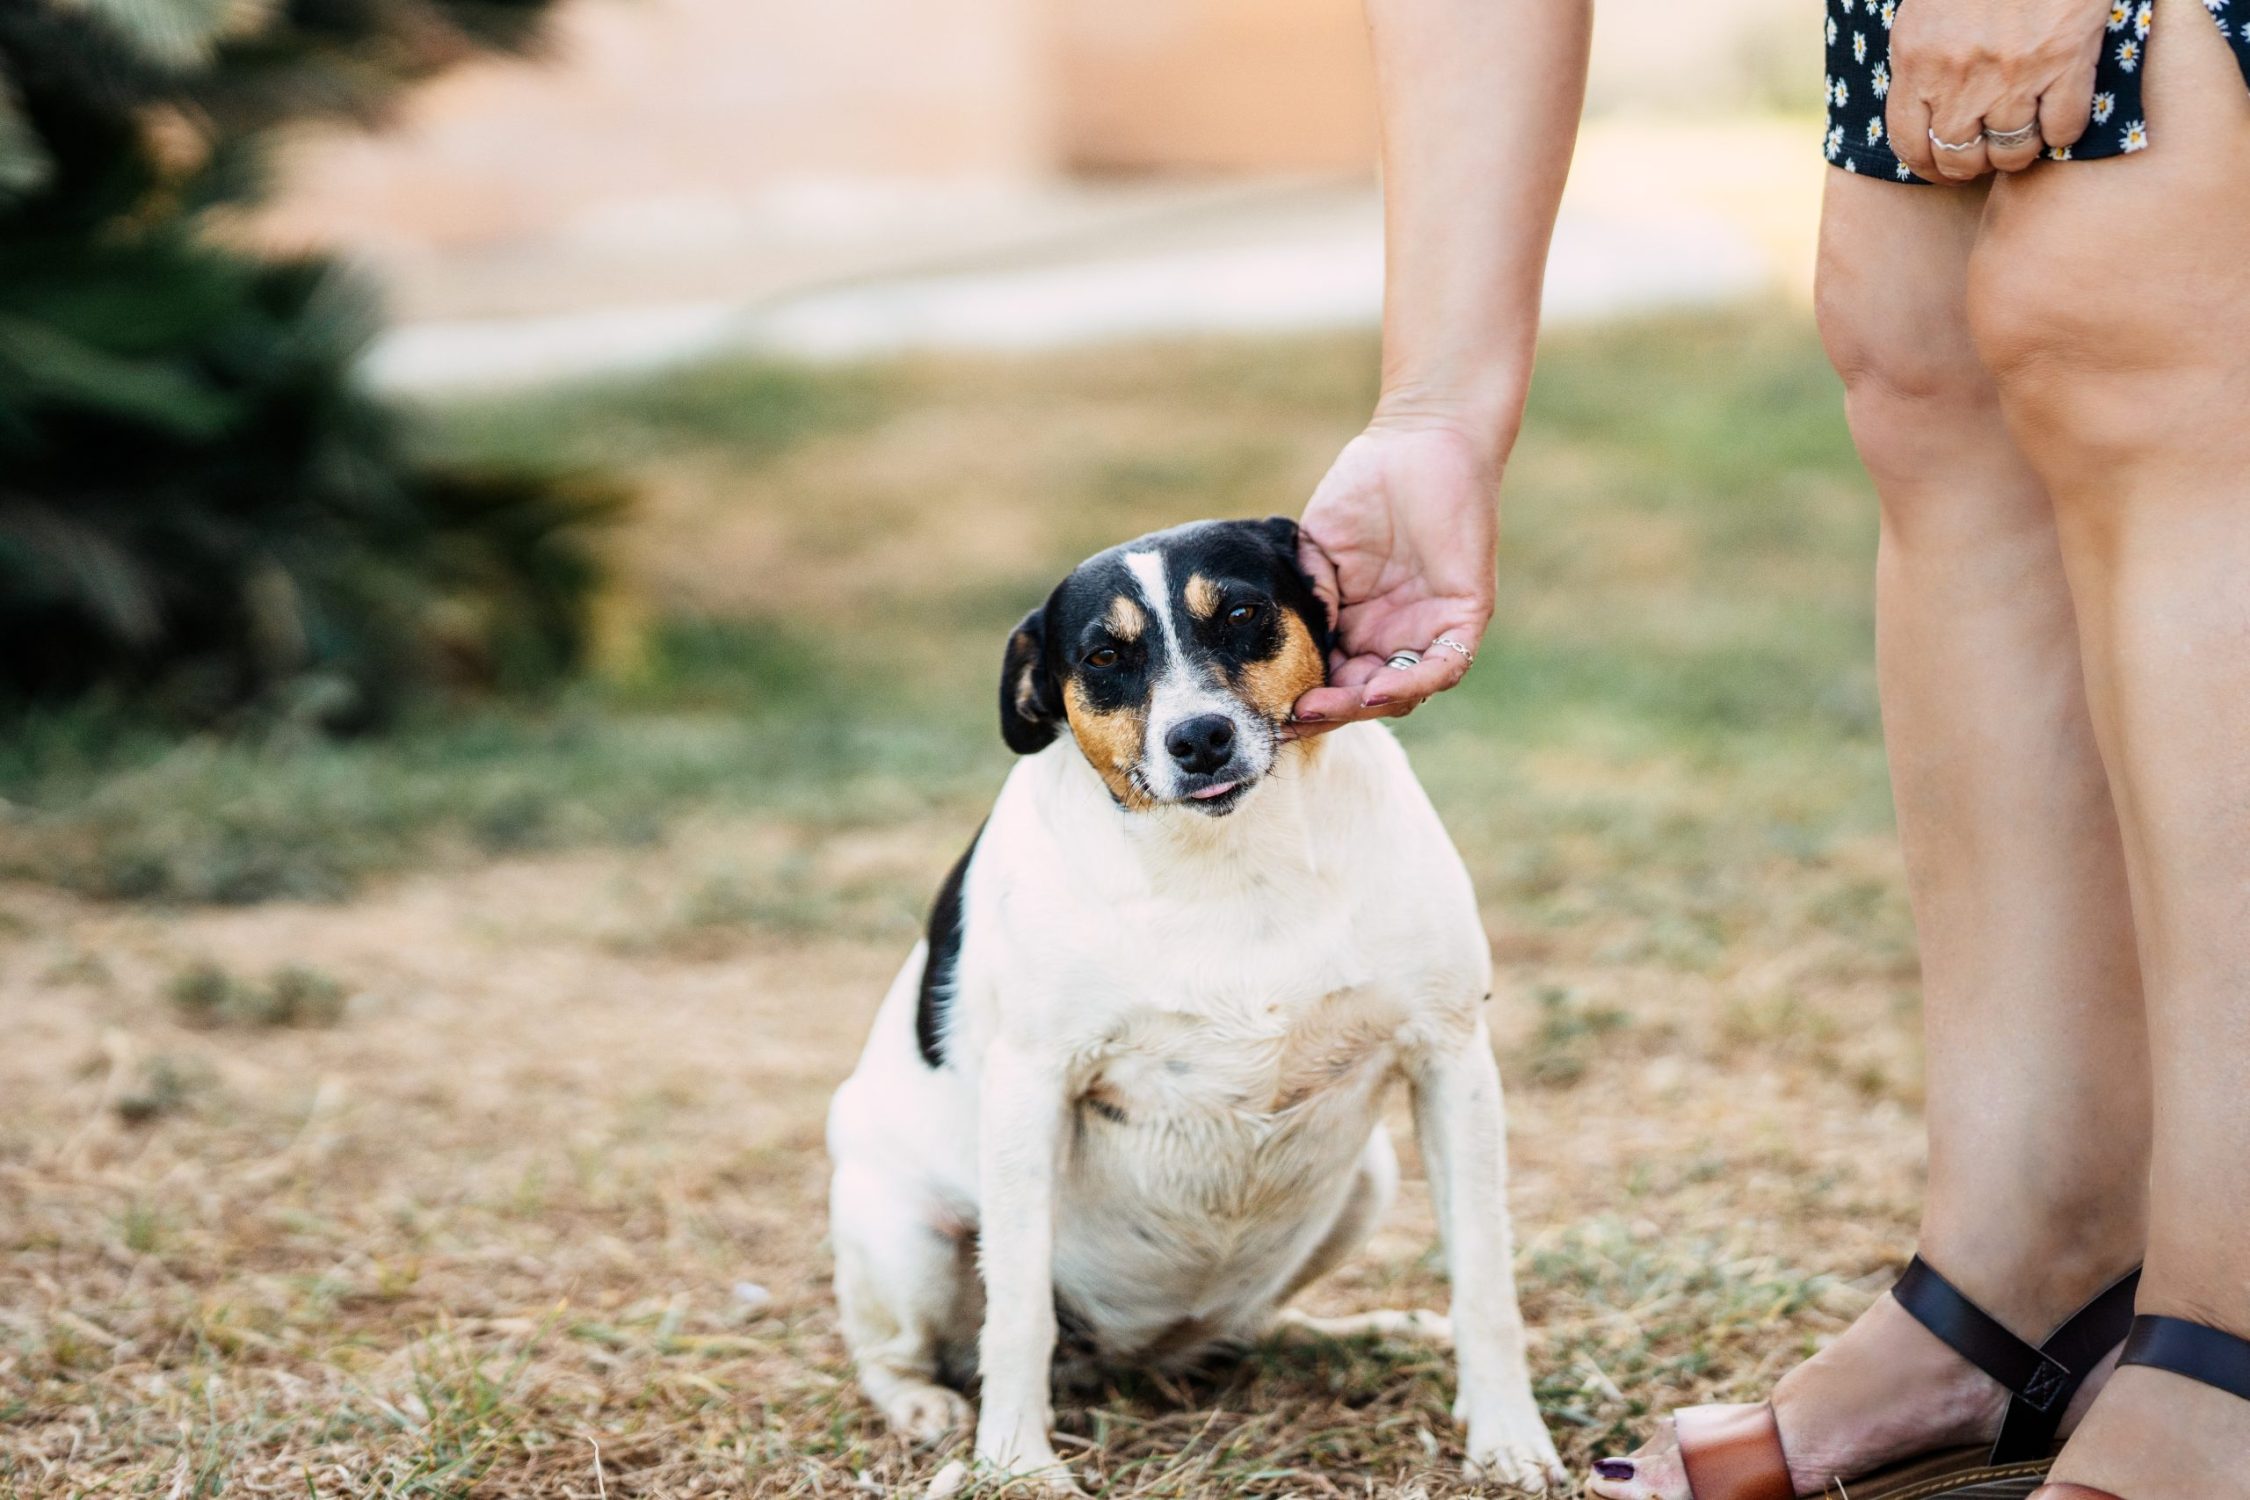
(1203,743)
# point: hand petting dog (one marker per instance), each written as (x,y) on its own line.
(1399,541)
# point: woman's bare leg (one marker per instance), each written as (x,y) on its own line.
(2037,1070)
(2113,301)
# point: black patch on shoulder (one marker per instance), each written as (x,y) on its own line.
(943,959)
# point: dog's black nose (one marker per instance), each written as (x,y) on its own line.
(1203,743)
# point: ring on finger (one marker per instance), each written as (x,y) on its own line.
(1403,660)
(1945,145)
(1448,643)
(2009,140)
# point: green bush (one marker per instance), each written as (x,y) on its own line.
(201,508)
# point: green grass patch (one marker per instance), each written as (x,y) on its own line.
(1679,673)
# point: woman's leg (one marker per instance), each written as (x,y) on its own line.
(2113,302)
(2037,1071)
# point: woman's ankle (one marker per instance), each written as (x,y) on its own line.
(2033,1271)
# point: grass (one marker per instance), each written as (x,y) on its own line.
(480,1232)
(1684,577)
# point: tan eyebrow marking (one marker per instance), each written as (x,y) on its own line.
(1125,619)
(1202,597)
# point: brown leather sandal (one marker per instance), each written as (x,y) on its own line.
(2217,1359)
(1735,1453)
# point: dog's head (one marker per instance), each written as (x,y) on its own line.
(1173,661)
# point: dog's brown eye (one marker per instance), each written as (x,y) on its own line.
(1105,656)
(1242,614)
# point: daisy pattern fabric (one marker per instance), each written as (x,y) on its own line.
(1859,82)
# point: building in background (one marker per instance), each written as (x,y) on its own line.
(685,154)
(688,114)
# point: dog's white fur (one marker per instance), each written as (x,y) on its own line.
(1166,1053)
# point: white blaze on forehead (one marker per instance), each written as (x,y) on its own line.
(1147,569)
(1178,692)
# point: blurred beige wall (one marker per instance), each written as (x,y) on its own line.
(1712,58)
(678,99)
(675,100)
(1231,85)
(734,125)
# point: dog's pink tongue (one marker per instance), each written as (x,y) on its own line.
(1220,790)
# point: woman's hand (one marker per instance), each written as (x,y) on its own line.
(1400,542)
(1962,67)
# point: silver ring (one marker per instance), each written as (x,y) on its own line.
(1946,145)
(1402,660)
(2009,140)
(1448,643)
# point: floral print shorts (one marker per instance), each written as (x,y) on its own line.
(1859,82)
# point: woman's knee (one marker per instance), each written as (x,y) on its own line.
(2052,318)
(2102,295)
(2100,359)
(1914,390)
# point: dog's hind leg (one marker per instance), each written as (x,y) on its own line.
(906,1288)
(1373,1187)
(1412,1325)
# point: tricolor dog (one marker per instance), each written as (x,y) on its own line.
(1128,1091)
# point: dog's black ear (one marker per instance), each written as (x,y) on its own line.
(1281,534)
(1030,706)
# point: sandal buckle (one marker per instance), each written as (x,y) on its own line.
(2049,1380)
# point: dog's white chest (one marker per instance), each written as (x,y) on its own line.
(1251,1065)
(1236,1123)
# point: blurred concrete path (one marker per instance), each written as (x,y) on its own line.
(1658,213)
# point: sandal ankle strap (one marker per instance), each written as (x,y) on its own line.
(2216,1358)
(2040,1380)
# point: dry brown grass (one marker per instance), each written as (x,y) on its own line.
(492,1225)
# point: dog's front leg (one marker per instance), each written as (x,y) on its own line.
(1457,1116)
(1019,1145)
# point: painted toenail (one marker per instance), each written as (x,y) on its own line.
(1614,1468)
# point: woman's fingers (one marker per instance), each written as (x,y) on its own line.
(1438,670)
(2067,108)
(1908,120)
(2016,123)
(1326,708)
(1956,137)
(1369,687)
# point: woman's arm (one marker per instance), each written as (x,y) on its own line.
(1480,102)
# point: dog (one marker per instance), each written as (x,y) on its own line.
(1134,1074)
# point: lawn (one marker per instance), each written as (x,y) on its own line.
(439,1114)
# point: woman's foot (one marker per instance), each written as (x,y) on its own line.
(1887,1389)
(2158,1436)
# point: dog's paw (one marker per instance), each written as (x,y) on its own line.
(925,1413)
(1518,1454)
(1420,1325)
(1048,1479)
(1413,1325)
